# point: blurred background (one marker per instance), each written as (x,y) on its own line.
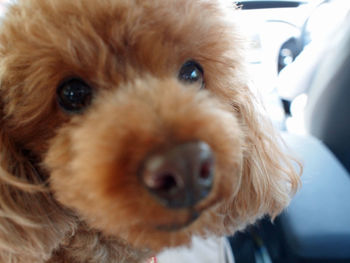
(287,42)
(299,60)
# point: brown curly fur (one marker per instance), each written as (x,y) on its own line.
(69,190)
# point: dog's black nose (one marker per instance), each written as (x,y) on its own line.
(180,177)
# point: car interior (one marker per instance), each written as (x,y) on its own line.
(316,225)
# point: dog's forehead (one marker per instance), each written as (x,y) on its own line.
(89,37)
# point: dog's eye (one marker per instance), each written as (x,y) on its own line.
(191,72)
(74,95)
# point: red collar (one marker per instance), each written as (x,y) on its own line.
(152,260)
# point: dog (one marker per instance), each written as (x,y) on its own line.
(128,127)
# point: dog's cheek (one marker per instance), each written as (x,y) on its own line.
(269,175)
(58,164)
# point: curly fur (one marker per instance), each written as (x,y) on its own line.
(69,190)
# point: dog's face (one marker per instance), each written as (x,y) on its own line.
(140,117)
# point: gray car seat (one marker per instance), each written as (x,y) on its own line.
(316,226)
(328,110)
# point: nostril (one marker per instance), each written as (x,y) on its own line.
(163,182)
(206,172)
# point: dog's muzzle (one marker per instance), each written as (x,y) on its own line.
(181,176)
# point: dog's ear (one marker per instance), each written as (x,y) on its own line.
(26,209)
(16,171)
(270,176)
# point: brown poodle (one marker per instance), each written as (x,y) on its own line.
(127,127)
